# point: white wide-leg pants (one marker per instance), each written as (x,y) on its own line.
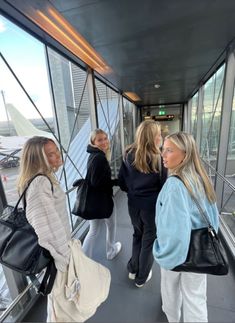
(94,231)
(186,291)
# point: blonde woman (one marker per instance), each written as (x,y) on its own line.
(142,176)
(176,216)
(101,192)
(46,207)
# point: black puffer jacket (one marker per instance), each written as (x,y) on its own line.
(100,182)
(142,189)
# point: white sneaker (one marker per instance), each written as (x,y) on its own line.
(131,276)
(149,277)
(117,249)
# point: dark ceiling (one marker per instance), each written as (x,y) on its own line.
(173,43)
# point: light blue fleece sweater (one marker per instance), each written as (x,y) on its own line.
(176,215)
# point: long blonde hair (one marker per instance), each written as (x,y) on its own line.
(147,156)
(191,170)
(34,161)
(93,135)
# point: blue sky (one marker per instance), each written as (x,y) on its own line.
(26,57)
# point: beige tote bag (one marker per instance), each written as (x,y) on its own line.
(77,293)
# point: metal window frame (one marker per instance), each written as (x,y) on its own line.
(226,112)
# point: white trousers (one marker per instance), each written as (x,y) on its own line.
(92,236)
(186,291)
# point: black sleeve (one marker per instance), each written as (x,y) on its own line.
(100,173)
(121,177)
(115,182)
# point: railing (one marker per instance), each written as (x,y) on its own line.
(225,180)
(228,234)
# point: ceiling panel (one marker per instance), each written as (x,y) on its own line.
(172,43)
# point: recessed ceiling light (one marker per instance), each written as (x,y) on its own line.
(156,86)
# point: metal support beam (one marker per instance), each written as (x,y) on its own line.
(227,104)
(184,116)
(199,116)
(92,98)
(121,123)
(188,116)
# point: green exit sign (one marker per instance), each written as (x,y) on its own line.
(161,113)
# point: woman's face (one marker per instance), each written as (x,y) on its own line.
(101,141)
(172,155)
(53,155)
(158,139)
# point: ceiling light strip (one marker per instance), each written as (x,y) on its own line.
(78,37)
(97,64)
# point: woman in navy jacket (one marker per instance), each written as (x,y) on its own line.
(100,187)
(142,176)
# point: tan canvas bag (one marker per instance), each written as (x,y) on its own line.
(77,293)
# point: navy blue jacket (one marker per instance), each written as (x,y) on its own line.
(142,189)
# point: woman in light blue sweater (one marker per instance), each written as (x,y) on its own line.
(176,216)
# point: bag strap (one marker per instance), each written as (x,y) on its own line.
(44,288)
(46,285)
(26,188)
(202,213)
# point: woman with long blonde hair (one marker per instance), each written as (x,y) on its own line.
(142,176)
(46,208)
(176,215)
(101,192)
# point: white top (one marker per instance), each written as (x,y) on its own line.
(47,213)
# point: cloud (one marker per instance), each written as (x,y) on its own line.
(2,26)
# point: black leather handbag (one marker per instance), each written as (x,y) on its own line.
(206,254)
(19,248)
(86,205)
(80,202)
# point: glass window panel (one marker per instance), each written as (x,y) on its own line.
(194,115)
(108,119)
(211,117)
(228,207)
(128,112)
(69,84)
(25,109)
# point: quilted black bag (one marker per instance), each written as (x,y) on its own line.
(19,248)
(206,254)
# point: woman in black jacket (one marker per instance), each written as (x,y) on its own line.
(142,176)
(101,189)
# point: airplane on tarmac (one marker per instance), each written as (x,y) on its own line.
(10,146)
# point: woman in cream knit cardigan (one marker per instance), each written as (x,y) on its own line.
(46,207)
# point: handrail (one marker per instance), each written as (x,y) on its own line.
(220,175)
(16,300)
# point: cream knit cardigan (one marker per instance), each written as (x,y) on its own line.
(46,211)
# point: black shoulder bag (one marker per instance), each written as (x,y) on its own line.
(91,203)
(19,248)
(206,254)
